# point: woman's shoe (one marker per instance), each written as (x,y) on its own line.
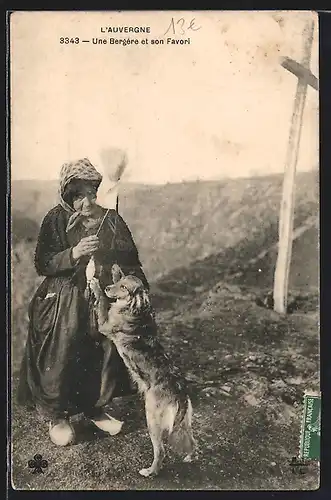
(61,432)
(107,423)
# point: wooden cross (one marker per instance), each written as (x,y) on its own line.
(305,79)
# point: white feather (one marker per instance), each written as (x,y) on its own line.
(114,162)
(108,193)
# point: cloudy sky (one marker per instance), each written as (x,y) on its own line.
(219,107)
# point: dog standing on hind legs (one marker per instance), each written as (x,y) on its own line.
(129,323)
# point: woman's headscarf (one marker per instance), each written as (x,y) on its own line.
(82,170)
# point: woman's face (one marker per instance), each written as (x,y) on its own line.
(84,202)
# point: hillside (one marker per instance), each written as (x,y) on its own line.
(177,224)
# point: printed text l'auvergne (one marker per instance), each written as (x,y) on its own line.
(125,29)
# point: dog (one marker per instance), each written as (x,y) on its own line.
(130,323)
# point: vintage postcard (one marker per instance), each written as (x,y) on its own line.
(164,250)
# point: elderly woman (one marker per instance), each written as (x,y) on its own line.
(68,367)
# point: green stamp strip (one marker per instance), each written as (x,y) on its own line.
(311,428)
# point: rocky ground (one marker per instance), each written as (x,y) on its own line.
(248,369)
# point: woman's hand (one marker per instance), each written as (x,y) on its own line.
(86,246)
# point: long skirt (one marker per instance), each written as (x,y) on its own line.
(68,367)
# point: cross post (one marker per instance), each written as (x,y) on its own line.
(305,79)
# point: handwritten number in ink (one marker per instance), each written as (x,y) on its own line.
(180,25)
(182,21)
(171,26)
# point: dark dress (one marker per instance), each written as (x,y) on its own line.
(68,367)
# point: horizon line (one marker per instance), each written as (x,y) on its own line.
(197,179)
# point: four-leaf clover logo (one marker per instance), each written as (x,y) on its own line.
(38,464)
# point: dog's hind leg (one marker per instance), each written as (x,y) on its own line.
(154,417)
(181,438)
(189,456)
(191,443)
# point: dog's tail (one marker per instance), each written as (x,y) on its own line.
(180,438)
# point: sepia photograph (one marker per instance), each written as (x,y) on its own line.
(164,225)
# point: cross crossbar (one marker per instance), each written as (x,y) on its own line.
(300,71)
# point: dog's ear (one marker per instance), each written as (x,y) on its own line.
(140,303)
(117,273)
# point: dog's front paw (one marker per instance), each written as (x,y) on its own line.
(149,472)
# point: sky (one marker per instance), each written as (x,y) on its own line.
(218,107)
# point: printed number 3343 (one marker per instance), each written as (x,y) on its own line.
(180,26)
(69,40)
